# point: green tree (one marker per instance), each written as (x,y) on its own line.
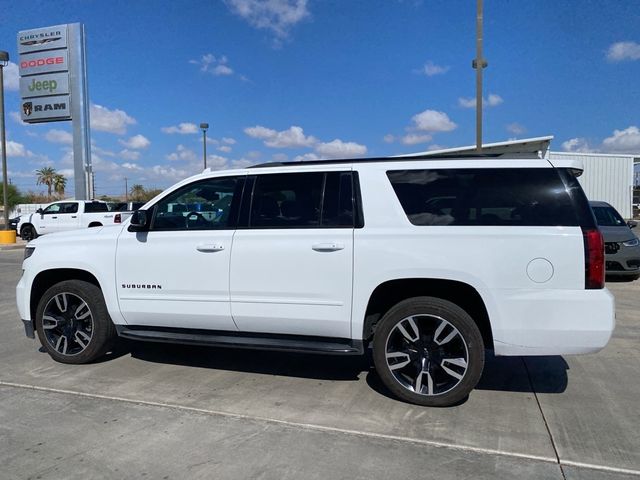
(14,197)
(46,176)
(59,184)
(137,193)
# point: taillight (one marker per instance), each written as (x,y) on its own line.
(117,218)
(593,258)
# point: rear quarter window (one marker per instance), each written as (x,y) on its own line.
(486,196)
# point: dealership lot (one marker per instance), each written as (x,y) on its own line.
(161,411)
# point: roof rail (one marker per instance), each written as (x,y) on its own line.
(413,158)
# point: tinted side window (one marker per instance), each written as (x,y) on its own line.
(204,205)
(287,200)
(337,205)
(93,207)
(516,196)
(608,217)
(53,208)
(71,207)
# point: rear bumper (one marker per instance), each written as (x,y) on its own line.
(554,322)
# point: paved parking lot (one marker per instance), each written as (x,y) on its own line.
(159,411)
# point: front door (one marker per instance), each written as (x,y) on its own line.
(291,265)
(177,273)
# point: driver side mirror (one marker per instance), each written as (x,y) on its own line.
(40,211)
(139,221)
(632,224)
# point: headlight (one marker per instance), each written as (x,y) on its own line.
(631,243)
(28,251)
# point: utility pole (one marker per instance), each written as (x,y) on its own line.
(126,190)
(479,63)
(93,184)
(4,61)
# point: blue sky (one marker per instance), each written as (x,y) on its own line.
(287,79)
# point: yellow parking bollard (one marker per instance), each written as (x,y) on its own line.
(7,236)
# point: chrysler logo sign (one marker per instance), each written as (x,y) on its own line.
(39,39)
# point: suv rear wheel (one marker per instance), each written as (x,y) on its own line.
(72,322)
(428,351)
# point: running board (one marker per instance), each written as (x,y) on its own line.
(215,338)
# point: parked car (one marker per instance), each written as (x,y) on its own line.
(13,223)
(621,246)
(66,215)
(426,261)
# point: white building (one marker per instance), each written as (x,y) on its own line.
(606,177)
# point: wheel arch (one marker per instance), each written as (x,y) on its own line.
(47,278)
(95,224)
(390,292)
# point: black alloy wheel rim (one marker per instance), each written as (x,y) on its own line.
(426,354)
(67,324)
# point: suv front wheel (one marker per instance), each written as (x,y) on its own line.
(72,322)
(428,351)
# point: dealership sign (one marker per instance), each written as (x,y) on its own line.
(53,88)
(44,74)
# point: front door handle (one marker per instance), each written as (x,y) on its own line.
(74,216)
(210,247)
(328,247)
(54,217)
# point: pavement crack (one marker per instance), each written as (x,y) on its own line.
(544,418)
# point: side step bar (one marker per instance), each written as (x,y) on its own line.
(215,338)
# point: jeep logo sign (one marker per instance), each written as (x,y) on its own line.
(43,85)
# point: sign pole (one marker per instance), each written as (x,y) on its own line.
(79,112)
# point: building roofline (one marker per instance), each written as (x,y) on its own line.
(618,155)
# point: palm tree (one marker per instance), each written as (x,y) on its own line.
(59,184)
(137,193)
(46,176)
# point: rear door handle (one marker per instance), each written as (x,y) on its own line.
(328,247)
(74,216)
(210,247)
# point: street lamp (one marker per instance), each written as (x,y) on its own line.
(204,127)
(4,60)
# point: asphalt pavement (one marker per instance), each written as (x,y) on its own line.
(163,411)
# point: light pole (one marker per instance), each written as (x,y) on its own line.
(479,63)
(204,127)
(4,60)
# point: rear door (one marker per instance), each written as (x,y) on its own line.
(291,265)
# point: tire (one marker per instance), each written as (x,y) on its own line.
(28,233)
(73,324)
(444,351)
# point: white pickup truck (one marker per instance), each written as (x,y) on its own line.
(66,215)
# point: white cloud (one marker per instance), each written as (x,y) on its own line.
(306,157)
(136,142)
(183,153)
(339,149)
(216,66)
(576,145)
(621,51)
(279,157)
(11,77)
(111,121)
(16,117)
(516,128)
(15,149)
(131,166)
(414,139)
(430,69)
(224,148)
(129,155)
(59,136)
(182,128)
(433,121)
(492,100)
(228,140)
(293,137)
(623,141)
(276,16)
(388,138)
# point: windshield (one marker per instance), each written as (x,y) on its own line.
(608,217)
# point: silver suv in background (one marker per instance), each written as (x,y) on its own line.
(621,246)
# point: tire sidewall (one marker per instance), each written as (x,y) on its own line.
(103,328)
(454,315)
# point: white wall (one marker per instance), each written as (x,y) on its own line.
(608,178)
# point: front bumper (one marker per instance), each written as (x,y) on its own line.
(626,261)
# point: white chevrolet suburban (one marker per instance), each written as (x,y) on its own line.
(66,215)
(428,261)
